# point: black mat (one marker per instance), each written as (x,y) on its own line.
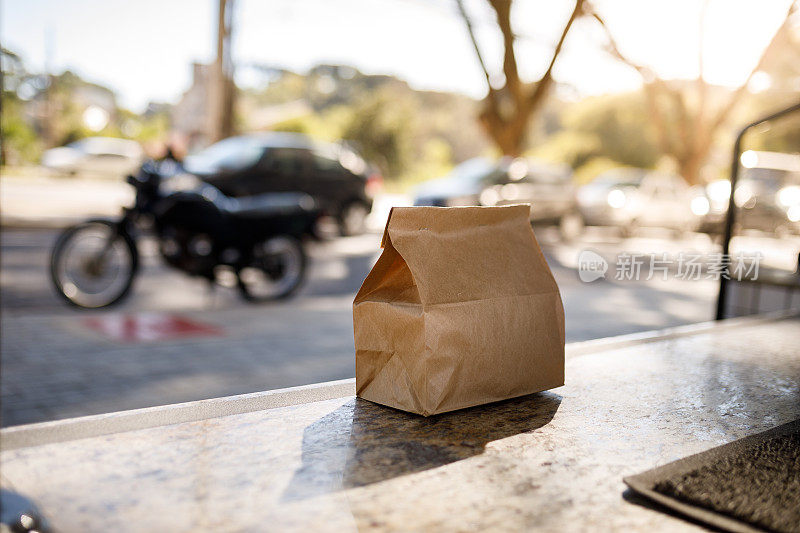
(752,484)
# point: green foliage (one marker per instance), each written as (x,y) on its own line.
(303,124)
(435,161)
(147,129)
(67,96)
(574,148)
(20,142)
(602,132)
(410,135)
(382,128)
(328,125)
(593,168)
(782,135)
(621,125)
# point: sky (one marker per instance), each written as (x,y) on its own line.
(143,50)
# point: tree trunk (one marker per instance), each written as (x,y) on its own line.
(508,136)
(507,111)
(689,169)
(693,159)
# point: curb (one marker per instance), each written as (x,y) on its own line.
(49,223)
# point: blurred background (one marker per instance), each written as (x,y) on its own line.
(614,119)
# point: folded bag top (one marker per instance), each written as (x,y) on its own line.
(461,309)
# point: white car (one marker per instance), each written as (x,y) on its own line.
(631,198)
(97,155)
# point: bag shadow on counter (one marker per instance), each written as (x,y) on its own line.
(361,443)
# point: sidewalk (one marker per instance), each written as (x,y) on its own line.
(57,366)
(42,201)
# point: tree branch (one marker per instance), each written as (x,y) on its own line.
(612,48)
(547,78)
(723,113)
(474,40)
(700,83)
(652,85)
(502,9)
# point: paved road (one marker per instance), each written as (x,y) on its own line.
(55,366)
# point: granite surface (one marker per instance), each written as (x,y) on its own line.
(551,461)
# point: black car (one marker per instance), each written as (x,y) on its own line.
(334,175)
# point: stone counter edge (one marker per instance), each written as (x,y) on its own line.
(24,436)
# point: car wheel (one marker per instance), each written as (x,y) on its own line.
(353,219)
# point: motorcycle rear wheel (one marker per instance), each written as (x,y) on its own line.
(276,270)
(93,265)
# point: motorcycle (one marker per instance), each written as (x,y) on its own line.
(254,242)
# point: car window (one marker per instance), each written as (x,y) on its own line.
(286,161)
(625,178)
(664,186)
(353,162)
(547,176)
(653,187)
(678,185)
(233,153)
(326,164)
(599,185)
(545,173)
(477,172)
(660,190)
(494,177)
(105,147)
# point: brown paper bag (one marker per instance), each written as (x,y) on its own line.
(461,309)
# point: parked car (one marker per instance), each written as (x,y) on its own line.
(100,155)
(767,195)
(548,188)
(462,186)
(630,198)
(711,204)
(338,179)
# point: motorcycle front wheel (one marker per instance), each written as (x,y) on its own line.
(93,264)
(275,271)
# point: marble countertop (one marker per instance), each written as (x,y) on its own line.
(318,459)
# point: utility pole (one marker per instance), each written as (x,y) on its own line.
(221,86)
(48,122)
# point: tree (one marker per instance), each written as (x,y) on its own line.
(410,135)
(222,89)
(508,109)
(382,128)
(682,112)
(614,127)
(782,76)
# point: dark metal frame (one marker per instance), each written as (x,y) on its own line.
(731,215)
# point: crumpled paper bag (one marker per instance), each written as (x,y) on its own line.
(461,309)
